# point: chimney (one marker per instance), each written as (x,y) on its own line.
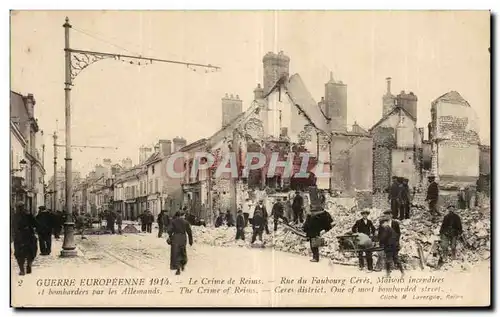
(388,79)
(165,147)
(258,92)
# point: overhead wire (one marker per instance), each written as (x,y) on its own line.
(88,33)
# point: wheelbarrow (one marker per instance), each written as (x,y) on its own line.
(349,246)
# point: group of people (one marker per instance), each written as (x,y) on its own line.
(400,198)
(389,234)
(30,233)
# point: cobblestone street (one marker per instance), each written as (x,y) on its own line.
(146,256)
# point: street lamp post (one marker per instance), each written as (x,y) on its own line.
(69,247)
(75,62)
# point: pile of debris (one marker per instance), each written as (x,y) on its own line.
(415,232)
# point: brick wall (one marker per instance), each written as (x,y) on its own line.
(383,143)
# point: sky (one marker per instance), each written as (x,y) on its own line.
(125,106)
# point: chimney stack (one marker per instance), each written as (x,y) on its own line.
(388,79)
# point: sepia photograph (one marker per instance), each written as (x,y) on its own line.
(244,159)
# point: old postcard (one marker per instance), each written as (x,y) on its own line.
(250,158)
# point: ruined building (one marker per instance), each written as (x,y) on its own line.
(283,118)
(455,144)
(397,141)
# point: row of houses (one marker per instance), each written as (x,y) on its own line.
(27,149)
(284,118)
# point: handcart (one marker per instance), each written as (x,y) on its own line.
(349,246)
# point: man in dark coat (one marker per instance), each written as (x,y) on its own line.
(177,231)
(316,222)
(25,242)
(263,211)
(432,196)
(450,231)
(298,208)
(393,223)
(44,228)
(58,223)
(219,221)
(258,224)
(110,221)
(149,219)
(389,240)
(142,218)
(229,219)
(365,225)
(394,196)
(240,225)
(404,200)
(191,218)
(119,221)
(161,222)
(277,213)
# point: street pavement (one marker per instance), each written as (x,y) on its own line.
(146,255)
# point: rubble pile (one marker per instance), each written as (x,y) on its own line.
(419,230)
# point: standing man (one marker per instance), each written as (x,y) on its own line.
(277,213)
(160,221)
(119,221)
(298,208)
(394,196)
(393,223)
(110,221)
(365,225)
(258,223)
(462,199)
(25,244)
(263,212)
(44,229)
(57,222)
(177,231)
(247,205)
(389,240)
(142,219)
(240,226)
(149,221)
(432,196)
(404,200)
(317,221)
(450,231)
(229,218)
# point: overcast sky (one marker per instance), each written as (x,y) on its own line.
(123,105)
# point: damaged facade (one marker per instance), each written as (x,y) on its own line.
(452,151)
(283,118)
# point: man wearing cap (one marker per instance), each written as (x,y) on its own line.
(394,224)
(432,196)
(365,226)
(394,196)
(451,229)
(389,240)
